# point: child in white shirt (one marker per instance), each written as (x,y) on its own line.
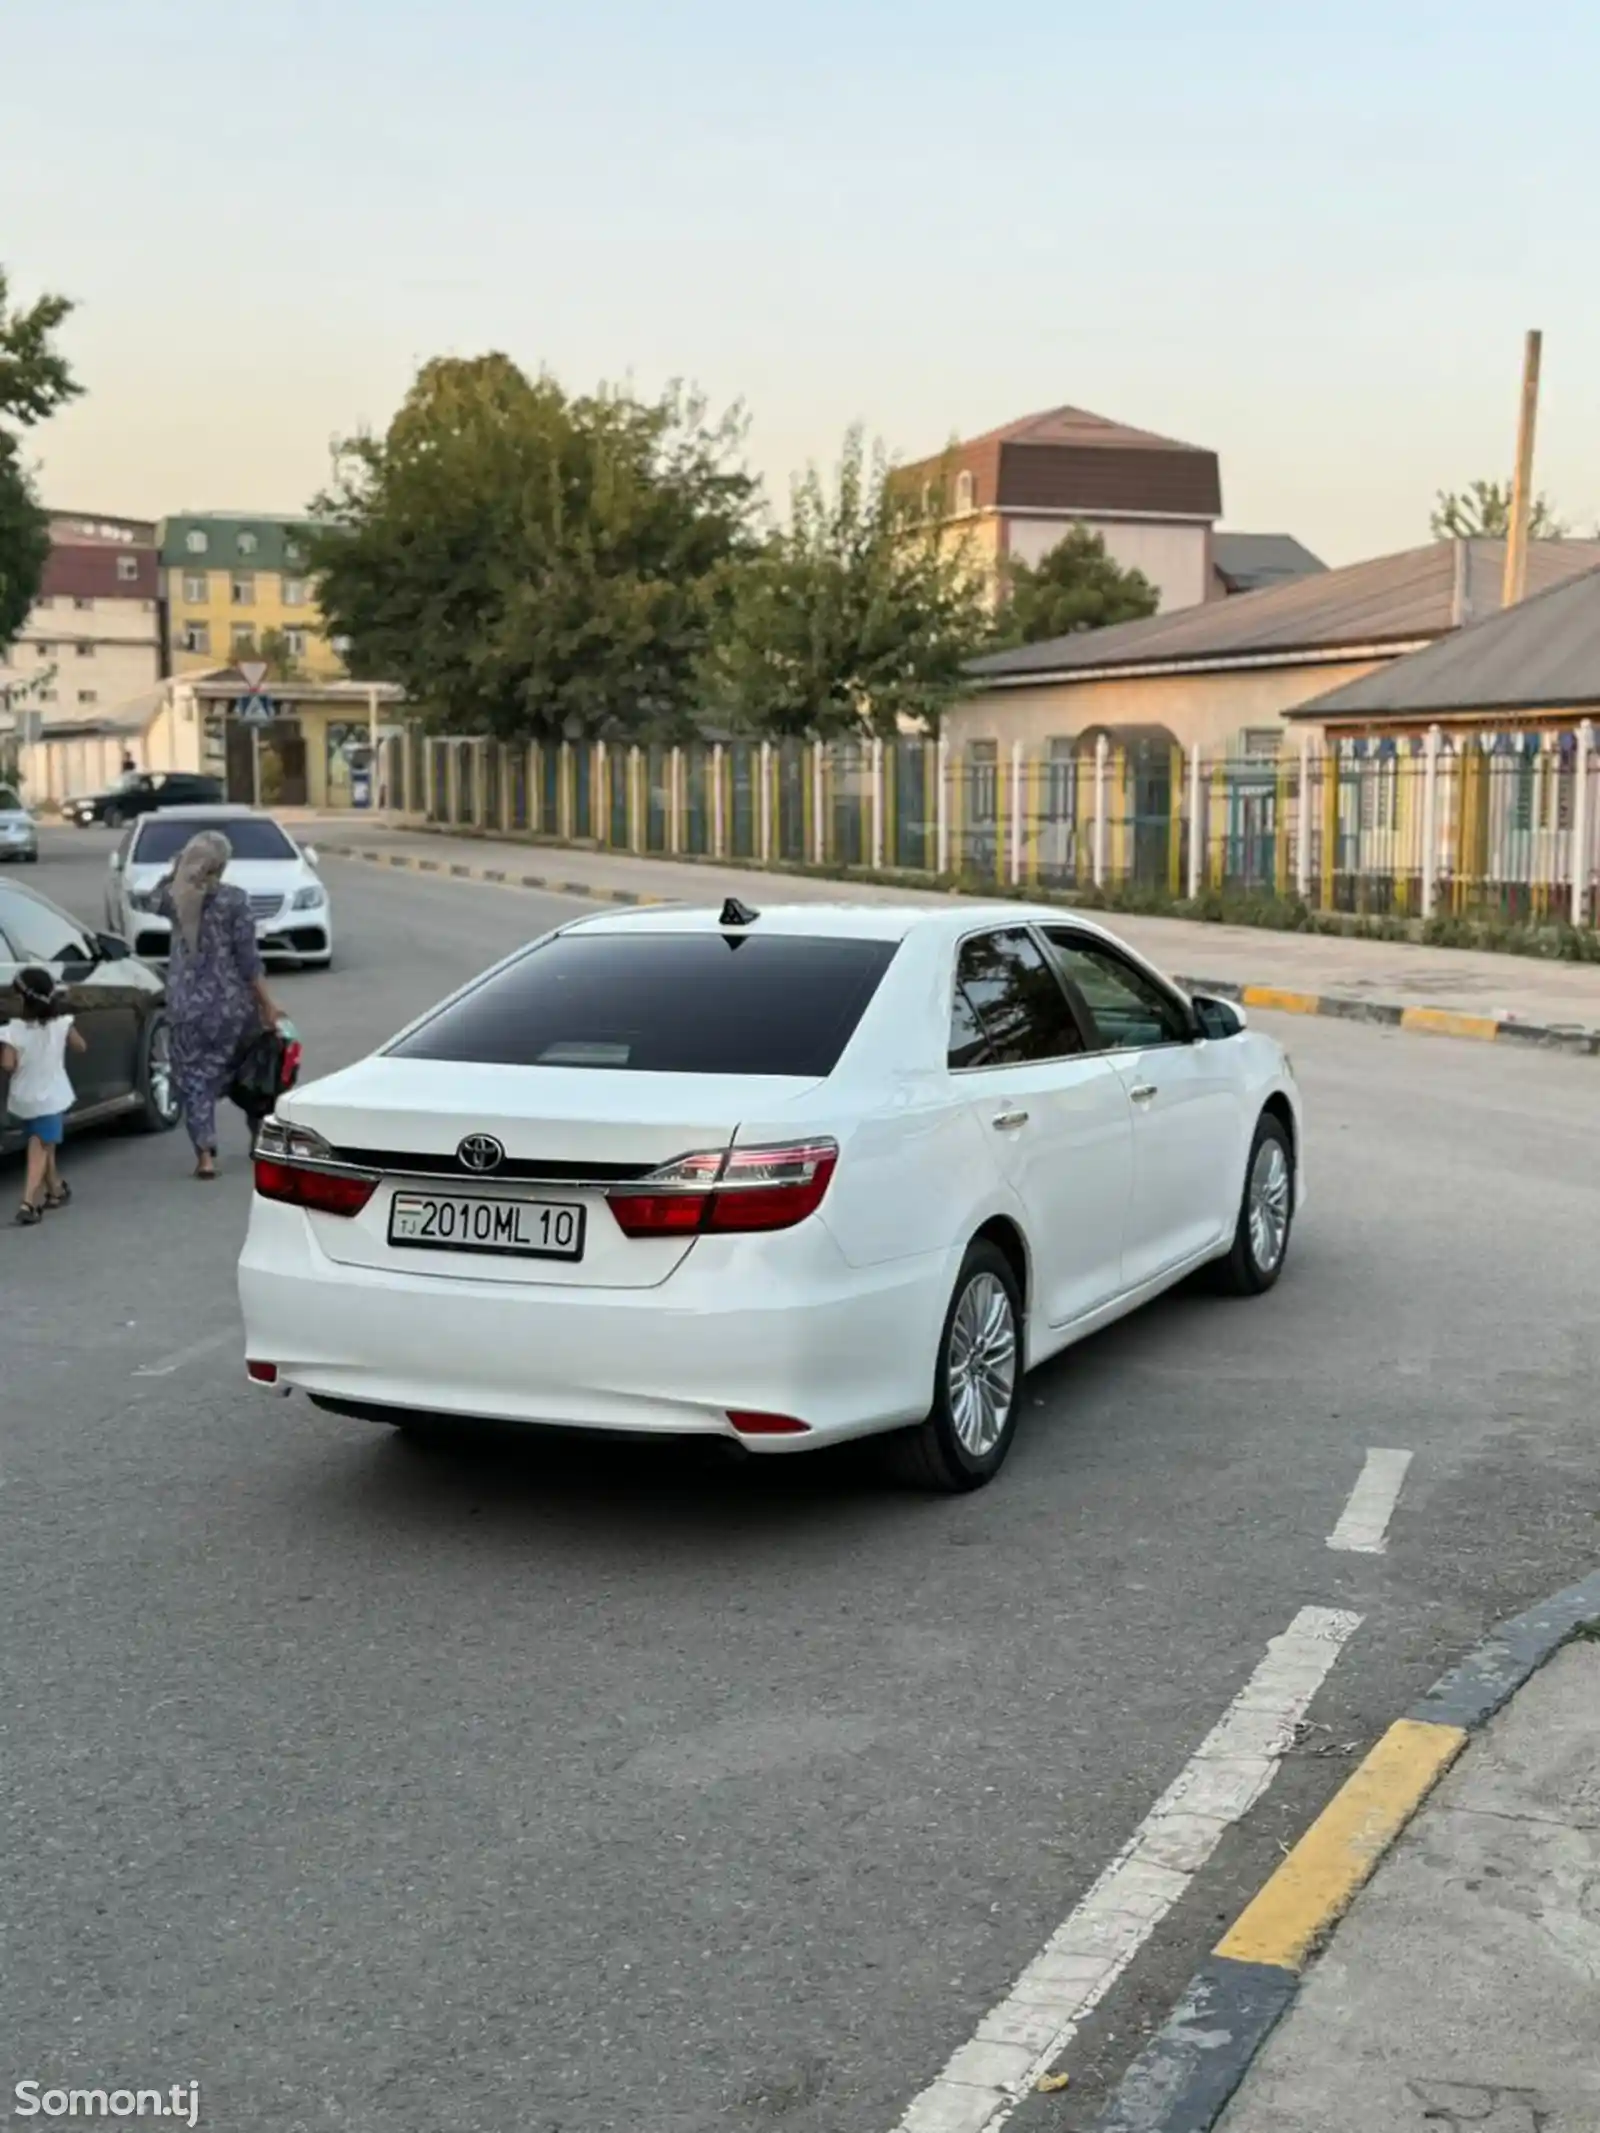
(33,1051)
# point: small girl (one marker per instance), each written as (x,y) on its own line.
(33,1051)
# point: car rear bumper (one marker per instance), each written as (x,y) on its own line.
(847,1354)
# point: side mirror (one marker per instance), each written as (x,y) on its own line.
(309,853)
(113,948)
(1218,1018)
(116,862)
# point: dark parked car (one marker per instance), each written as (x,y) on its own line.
(142,794)
(119,1004)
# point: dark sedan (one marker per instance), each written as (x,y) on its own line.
(125,1072)
(141,794)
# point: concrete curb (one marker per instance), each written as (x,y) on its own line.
(1394,1014)
(1432,1021)
(1184,2078)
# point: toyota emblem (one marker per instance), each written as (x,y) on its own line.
(480,1152)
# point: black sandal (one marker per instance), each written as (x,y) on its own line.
(28,1215)
(61,1197)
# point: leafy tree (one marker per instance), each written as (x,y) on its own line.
(857,615)
(530,564)
(34,381)
(24,543)
(1483,509)
(1077,586)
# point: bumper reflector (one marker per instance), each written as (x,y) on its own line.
(262,1373)
(752,1425)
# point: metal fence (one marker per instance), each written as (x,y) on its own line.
(1478,823)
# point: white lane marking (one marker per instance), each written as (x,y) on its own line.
(192,1354)
(1364,1523)
(1233,1766)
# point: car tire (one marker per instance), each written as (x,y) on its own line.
(30,859)
(964,1441)
(157,1091)
(1266,1213)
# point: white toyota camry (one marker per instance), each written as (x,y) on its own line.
(784,1177)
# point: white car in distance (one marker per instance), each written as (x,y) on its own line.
(784,1177)
(288,899)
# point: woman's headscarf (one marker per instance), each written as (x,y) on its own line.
(195,878)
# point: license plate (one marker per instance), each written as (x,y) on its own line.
(467,1222)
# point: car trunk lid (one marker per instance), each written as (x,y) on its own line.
(548,1140)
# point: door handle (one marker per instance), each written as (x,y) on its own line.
(1008,1121)
(1145,1095)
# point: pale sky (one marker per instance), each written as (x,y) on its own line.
(1309,237)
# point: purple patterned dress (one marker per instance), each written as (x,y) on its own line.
(210,1003)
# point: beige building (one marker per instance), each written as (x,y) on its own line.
(93,637)
(1015,492)
(1222,675)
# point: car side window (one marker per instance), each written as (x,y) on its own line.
(1131,1012)
(1009,1008)
(39,933)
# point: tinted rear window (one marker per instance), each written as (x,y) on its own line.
(163,838)
(665,1003)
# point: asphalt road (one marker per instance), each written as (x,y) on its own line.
(524,1788)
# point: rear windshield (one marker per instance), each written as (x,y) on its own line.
(10,802)
(163,838)
(665,1003)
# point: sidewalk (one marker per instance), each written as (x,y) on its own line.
(1463,1990)
(1455,992)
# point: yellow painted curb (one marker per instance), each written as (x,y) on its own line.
(1315,1884)
(1286,1003)
(1449,1022)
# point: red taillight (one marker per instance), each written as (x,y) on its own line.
(667,1214)
(326,1192)
(262,1373)
(743,1190)
(754,1425)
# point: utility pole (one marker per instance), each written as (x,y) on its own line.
(1516,578)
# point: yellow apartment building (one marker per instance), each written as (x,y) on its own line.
(233,580)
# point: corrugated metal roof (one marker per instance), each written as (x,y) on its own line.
(1543,654)
(1392,600)
(1247,561)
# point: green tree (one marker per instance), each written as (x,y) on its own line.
(530,564)
(856,616)
(1076,586)
(1483,509)
(34,381)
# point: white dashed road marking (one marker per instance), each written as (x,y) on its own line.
(1018,2040)
(1364,1525)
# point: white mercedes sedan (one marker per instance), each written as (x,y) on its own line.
(783,1177)
(287,898)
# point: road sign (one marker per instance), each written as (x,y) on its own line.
(255,710)
(253,672)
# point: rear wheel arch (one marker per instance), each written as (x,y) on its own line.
(1004,1234)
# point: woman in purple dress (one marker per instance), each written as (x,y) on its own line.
(216,995)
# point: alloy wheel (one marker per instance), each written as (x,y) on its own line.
(982,1365)
(1269,1205)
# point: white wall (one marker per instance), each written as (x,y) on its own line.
(102,654)
(1174,555)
